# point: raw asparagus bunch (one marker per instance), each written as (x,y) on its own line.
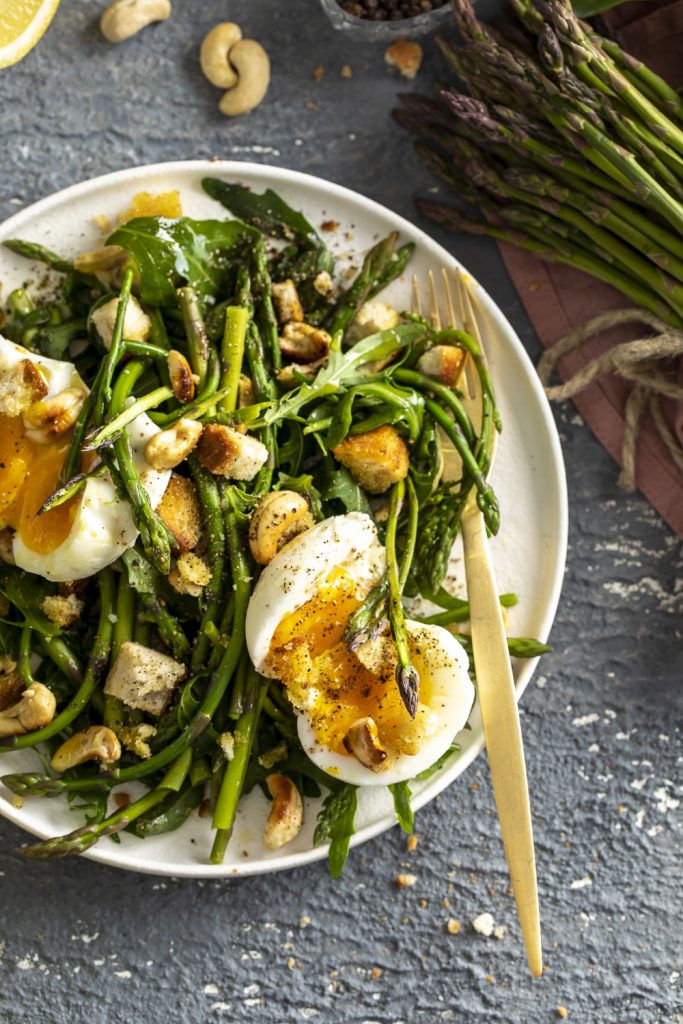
(571,148)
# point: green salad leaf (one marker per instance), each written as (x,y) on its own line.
(183,251)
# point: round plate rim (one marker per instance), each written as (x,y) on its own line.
(243,169)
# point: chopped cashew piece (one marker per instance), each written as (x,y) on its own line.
(35,709)
(143,678)
(96,743)
(225,452)
(252,65)
(362,740)
(62,609)
(214,54)
(278,518)
(101,261)
(182,379)
(55,415)
(169,448)
(376,459)
(303,343)
(286,815)
(287,302)
(124,18)
(443,363)
(136,323)
(135,738)
(20,387)
(181,510)
(372,317)
(323,283)
(11,683)
(190,575)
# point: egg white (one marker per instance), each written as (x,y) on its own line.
(293,578)
(103,526)
(436,655)
(296,573)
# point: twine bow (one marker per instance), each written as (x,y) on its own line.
(645,362)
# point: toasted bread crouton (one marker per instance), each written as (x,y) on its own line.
(181,510)
(143,678)
(375,460)
(190,575)
(225,452)
(289,376)
(443,363)
(136,323)
(372,317)
(303,343)
(62,609)
(11,683)
(20,387)
(287,302)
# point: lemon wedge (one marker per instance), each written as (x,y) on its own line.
(22,23)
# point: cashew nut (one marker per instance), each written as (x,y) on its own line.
(35,709)
(123,18)
(252,65)
(362,740)
(55,415)
(168,448)
(278,518)
(286,815)
(182,379)
(214,54)
(97,742)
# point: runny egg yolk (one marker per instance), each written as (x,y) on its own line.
(332,684)
(29,472)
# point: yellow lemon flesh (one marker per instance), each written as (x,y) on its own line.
(22,23)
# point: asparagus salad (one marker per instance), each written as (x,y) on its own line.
(220,478)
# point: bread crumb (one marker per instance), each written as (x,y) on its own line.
(291,963)
(489,977)
(318,72)
(483,924)
(376,973)
(407,57)
(121,799)
(330,225)
(62,610)
(445,903)
(311,105)
(411,843)
(346,72)
(453,926)
(500,931)
(304,921)
(405,881)
(423,903)
(562,1012)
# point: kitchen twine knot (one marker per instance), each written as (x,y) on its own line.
(646,362)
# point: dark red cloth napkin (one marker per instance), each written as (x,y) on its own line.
(558,298)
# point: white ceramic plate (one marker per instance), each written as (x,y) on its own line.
(529,551)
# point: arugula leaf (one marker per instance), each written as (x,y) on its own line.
(26,592)
(142,575)
(170,252)
(267,212)
(342,487)
(304,485)
(385,403)
(438,764)
(336,825)
(91,803)
(342,369)
(404,812)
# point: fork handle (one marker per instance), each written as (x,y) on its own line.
(500,717)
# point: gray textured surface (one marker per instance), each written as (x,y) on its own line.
(602,723)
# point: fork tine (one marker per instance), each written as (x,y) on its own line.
(434,301)
(448,299)
(415,297)
(470,325)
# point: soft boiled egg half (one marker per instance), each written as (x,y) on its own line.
(90,530)
(352,721)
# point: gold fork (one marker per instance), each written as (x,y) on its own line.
(495,682)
